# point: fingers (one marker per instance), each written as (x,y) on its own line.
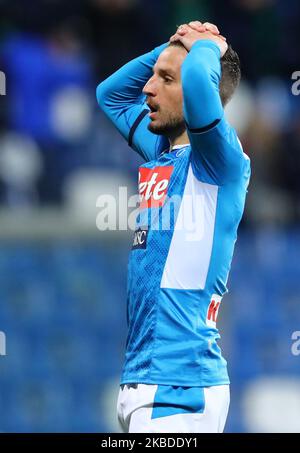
(207,26)
(197,26)
(175,37)
(182,29)
(212,28)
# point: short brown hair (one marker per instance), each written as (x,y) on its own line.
(231,72)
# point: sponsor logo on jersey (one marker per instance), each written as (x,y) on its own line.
(140,239)
(153,186)
(213,310)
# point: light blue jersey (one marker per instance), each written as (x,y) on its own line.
(191,202)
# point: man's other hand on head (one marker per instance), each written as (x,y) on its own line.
(188,34)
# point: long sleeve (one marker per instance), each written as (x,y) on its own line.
(121,99)
(216,149)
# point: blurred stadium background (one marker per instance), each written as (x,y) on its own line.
(62,281)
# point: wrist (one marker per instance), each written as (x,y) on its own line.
(207,43)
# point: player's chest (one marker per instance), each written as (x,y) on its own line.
(162,178)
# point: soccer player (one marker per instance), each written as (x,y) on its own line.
(168,104)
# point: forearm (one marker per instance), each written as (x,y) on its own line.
(124,88)
(120,98)
(201,73)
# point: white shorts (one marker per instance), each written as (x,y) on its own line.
(170,409)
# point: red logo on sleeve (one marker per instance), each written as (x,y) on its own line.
(153,186)
(212,311)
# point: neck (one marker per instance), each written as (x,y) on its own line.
(181,139)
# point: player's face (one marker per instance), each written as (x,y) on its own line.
(164,93)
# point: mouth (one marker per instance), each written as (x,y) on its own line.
(153,110)
(152,115)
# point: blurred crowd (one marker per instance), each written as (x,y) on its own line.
(54,53)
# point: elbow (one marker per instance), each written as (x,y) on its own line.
(105,94)
(101,94)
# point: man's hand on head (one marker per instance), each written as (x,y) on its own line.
(188,34)
(200,27)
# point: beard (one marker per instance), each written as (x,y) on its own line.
(172,127)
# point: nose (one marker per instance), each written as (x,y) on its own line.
(150,89)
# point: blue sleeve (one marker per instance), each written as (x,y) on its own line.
(216,151)
(121,99)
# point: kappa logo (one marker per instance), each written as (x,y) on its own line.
(213,310)
(140,239)
(180,152)
(153,186)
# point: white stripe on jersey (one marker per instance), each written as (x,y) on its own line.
(191,246)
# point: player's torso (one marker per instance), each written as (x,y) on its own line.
(161,186)
(178,267)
